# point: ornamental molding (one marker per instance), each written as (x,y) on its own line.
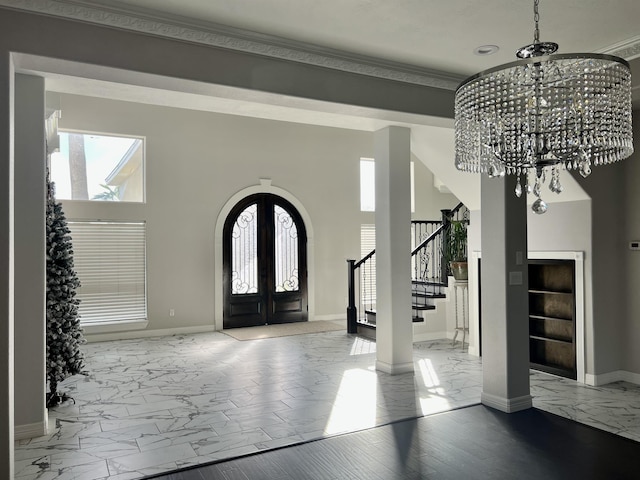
(221,36)
(627,49)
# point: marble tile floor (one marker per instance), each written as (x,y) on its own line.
(153,405)
(614,407)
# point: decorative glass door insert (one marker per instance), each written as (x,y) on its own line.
(286,243)
(265,275)
(244,238)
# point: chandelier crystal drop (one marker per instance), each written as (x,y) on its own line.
(544,113)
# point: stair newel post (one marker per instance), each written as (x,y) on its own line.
(447,216)
(352,312)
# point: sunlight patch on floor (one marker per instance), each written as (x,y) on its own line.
(355,405)
(435,401)
(362,346)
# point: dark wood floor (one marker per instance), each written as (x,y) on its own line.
(471,443)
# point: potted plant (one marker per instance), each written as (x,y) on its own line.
(455,249)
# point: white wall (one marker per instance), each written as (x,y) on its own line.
(429,201)
(195,162)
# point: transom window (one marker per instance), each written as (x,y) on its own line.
(99,167)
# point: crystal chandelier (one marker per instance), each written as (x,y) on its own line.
(542,114)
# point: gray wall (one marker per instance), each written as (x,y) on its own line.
(7,266)
(631,259)
(605,186)
(564,227)
(30,252)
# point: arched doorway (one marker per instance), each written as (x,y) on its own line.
(264,263)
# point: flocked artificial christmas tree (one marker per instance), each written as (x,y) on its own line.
(64,334)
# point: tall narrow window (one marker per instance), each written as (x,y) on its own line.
(368,185)
(109,258)
(98,167)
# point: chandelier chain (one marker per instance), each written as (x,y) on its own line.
(536,19)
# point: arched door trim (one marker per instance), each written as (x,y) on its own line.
(264,187)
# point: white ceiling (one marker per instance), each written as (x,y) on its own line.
(435,34)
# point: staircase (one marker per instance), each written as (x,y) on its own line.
(429,273)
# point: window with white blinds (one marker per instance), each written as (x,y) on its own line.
(109,258)
(368,243)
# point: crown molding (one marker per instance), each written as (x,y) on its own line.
(628,49)
(113,14)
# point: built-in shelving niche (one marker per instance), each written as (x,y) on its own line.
(551,359)
(552,316)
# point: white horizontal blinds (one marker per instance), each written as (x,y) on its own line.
(109,258)
(368,270)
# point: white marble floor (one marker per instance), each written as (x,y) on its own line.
(153,405)
(614,407)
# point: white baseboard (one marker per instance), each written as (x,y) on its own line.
(610,377)
(30,430)
(473,351)
(507,405)
(106,337)
(394,369)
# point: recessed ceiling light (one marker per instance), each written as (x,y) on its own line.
(486,50)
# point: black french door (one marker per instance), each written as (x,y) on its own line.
(265,263)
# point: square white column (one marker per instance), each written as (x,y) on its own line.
(394,327)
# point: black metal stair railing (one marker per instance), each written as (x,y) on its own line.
(429,271)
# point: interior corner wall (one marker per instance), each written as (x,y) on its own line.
(195,162)
(605,187)
(631,258)
(30,201)
(565,227)
(428,200)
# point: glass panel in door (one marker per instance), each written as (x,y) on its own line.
(286,251)
(244,252)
